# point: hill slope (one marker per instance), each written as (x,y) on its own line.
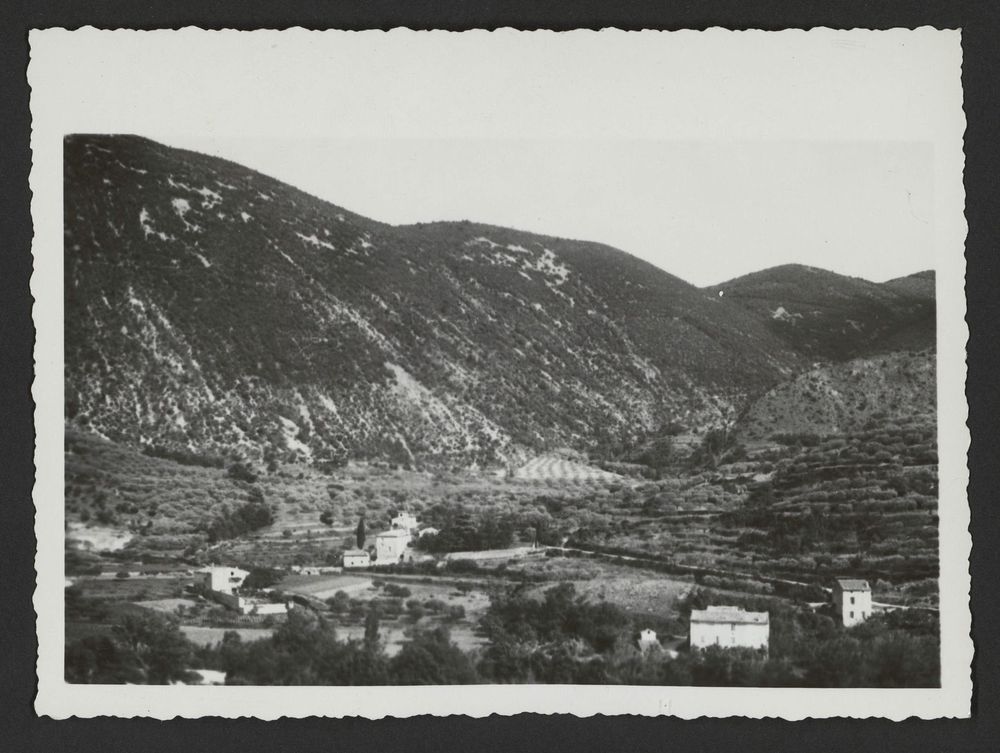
(918,285)
(211,308)
(824,315)
(845,397)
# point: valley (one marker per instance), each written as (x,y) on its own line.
(259,379)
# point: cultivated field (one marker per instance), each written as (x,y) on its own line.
(405,605)
(560,469)
(324,586)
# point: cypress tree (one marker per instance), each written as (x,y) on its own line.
(360,533)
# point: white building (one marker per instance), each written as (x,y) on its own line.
(256,606)
(729,627)
(224,580)
(648,640)
(357,558)
(406,521)
(222,584)
(853,600)
(391,546)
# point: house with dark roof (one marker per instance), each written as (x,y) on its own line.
(852,600)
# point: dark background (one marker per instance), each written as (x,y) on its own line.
(21,730)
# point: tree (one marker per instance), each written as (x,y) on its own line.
(158,645)
(303,651)
(431,659)
(717,666)
(261,577)
(240,471)
(326,517)
(255,513)
(98,659)
(713,446)
(506,659)
(837,663)
(360,534)
(657,453)
(371,628)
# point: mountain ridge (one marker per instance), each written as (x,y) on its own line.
(212,308)
(826,315)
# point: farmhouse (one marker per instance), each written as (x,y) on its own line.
(406,521)
(729,627)
(852,600)
(356,558)
(392,546)
(648,640)
(224,580)
(222,584)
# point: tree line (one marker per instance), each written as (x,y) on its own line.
(553,637)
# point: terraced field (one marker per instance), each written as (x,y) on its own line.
(556,468)
(863,504)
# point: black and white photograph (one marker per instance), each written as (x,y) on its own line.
(630,363)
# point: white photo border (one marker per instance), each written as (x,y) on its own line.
(79,83)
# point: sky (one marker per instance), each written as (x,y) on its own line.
(710,154)
(706,212)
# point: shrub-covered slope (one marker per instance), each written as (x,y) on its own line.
(214,309)
(918,285)
(865,503)
(844,397)
(862,504)
(824,315)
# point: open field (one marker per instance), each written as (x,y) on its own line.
(168,606)
(134,589)
(201,635)
(637,593)
(324,586)
(425,606)
(405,605)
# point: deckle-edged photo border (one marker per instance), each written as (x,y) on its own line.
(74,76)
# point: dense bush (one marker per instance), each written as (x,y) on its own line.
(145,648)
(241,472)
(262,577)
(184,457)
(339,602)
(460,530)
(394,589)
(518,627)
(247,517)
